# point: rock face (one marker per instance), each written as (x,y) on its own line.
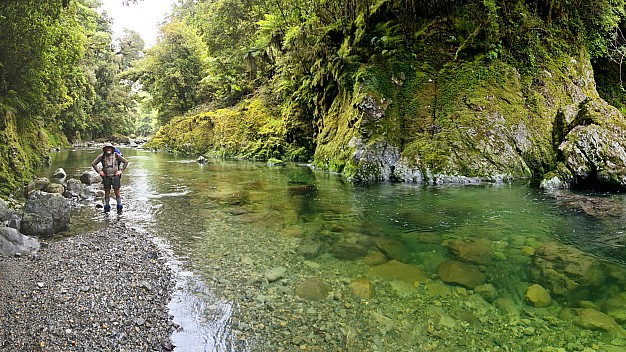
(12,242)
(458,130)
(45,214)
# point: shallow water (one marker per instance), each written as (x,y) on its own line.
(228,222)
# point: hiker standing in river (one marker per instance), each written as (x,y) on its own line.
(113,164)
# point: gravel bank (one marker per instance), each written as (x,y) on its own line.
(103,291)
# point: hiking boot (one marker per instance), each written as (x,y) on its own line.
(107,208)
(119,208)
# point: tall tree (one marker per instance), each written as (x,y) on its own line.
(172,70)
(39,42)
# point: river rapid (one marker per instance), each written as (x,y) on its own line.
(287,258)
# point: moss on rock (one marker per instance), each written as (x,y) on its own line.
(22,147)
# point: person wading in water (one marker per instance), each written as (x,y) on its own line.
(113,164)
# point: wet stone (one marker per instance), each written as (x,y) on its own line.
(454,272)
(313,289)
(394,270)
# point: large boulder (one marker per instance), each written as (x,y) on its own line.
(90,177)
(593,148)
(12,242)
(76,188)
(45,214)
(5,212)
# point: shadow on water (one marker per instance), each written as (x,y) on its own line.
(227,223)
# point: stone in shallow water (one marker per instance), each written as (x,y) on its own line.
(487,291)
(589,318)
(394,270)
(393,249)
(454,272)
(275,274)
(566,271)
(537,296)
(348,250)
(436,289)
(313,289)
(361,287)
(477,251)
(374,258)
(309,249)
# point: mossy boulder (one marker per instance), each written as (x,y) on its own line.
(537,296)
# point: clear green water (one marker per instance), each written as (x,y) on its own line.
(229,222)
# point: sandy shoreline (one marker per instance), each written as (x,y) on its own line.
(103,291)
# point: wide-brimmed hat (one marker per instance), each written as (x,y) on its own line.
(107,145)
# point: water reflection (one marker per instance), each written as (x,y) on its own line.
(398,267)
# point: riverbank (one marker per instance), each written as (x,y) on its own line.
(103,291)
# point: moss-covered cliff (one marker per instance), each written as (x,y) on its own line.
(470,91)
(250,130)
(22,147)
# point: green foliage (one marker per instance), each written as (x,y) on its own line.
(39,42)
(249,130)
(172,71)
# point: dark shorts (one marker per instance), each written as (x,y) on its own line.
(111,181)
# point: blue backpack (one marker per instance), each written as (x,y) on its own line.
(119,152)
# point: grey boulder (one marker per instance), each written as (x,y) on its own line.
(12,242)
(45,214)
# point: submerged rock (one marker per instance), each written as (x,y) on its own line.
(394,249)
(537,296)
(458,273)
(395,270)
(361,287)
(477,251)
(313,289)
(348,250)
(567,271)
(589,318)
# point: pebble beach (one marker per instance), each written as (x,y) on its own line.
(103,291)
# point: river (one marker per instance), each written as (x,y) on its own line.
(250,240)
